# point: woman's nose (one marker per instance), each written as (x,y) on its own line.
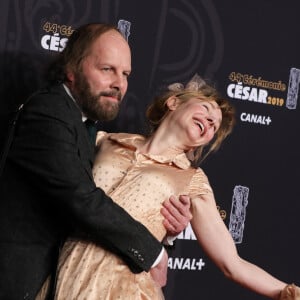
(210,120)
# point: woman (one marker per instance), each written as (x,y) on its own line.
(143,172)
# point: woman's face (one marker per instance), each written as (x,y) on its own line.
(198,120)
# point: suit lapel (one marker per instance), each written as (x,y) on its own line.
(84,146)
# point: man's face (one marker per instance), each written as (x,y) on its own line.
(101,82)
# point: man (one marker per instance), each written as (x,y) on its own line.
(47,188)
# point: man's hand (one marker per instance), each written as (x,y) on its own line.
(177,214)
(159,273)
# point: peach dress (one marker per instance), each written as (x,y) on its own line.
(139,183)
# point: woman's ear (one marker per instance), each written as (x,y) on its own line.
(172,103)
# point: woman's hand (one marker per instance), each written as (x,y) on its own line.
(290,292)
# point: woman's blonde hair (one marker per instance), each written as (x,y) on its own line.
(195,88)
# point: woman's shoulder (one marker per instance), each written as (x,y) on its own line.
(101,135)
(121,137)
(199,183)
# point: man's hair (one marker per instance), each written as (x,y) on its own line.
(77,48)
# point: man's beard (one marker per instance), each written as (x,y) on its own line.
(90,104)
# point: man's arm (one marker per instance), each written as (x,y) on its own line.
(177,216)
(51,146)
(159,272)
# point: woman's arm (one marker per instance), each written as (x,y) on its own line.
(216,241)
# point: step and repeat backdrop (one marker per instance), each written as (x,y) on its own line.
(251,51)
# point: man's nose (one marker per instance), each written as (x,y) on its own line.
(119,82)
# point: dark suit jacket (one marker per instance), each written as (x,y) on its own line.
(47,191)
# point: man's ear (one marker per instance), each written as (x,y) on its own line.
(70,75)
(172,103)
